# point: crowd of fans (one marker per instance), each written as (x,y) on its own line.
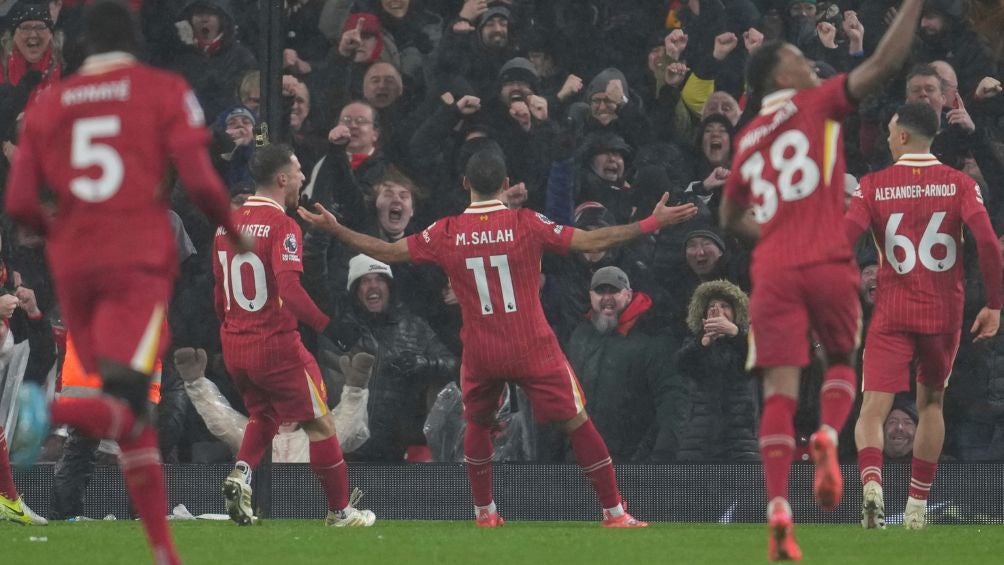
(599,107)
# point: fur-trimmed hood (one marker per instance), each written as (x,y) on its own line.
(721,289)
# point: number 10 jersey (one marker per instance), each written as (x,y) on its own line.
(492,257)
(915,209)
(788,165)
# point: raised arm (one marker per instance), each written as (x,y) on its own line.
(888,57)
(605,238)
(378,249)
(988,248)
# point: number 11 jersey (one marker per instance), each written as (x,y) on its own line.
(788,165)
(915,209)
(492,257)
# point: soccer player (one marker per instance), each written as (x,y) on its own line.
(915,210)
(789,168)
(491,255)
(259,299)
(100,142)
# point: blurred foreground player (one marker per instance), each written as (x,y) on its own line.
(789,168)
(491,255)
(102,141)
(259,300)
(915,210)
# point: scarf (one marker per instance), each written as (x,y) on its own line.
(17,66)
(210,47)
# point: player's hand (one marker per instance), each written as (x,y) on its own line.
(960,117)
(675,73)
(468,105)
(8,303)
(191,363)
(986,325)
(8,151)
(675,43)
(725,43)
(988,88)
(752,38)
(351,41)
(573,85)
(716,179)
(409,363)
(669,215)
(343,334)
(323,219)
(27,302)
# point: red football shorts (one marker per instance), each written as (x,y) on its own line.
(283,391)
(554,391)
(788,303)
(888,355)
(117,315)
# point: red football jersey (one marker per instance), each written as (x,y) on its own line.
(915,210)
(492,256)
(788,164)
(247,284)
(102,142)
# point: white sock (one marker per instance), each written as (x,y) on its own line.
(490,508)
(615,512)
(911,501)
(245,470)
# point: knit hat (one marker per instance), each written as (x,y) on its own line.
(599,82)
(519,69)
(497,11)
(610,276)
(240,111)
(710,234)
(903,402)
(592,214)
(362,265)
(26,11)
(790,2)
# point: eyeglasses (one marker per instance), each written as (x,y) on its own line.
(38,28)
(602,101)
(357,121)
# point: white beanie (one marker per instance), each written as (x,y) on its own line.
(361,265)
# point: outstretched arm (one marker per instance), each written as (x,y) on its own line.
(378,249)
(605,238)
(888,57)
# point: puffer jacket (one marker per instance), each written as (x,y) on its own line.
(633,391)
(397,401)
(722,413)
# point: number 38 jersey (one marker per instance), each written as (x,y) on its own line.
(788,165)
(102,143)
(916,209)
(492,257)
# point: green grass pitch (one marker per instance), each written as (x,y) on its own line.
(290,542)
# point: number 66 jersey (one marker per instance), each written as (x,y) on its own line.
(916,209)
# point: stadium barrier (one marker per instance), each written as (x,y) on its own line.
(962,494)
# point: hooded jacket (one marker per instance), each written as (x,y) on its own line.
(722,411)
(634,393)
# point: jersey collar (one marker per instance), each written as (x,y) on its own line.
(263,201)
(918,160)
(485,207)
(775,100)
(104,62)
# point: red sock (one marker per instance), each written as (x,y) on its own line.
(777,442)
(837,396)
(870,463)
(327,462)
(98,417)
(7,488)
(921,478)
(478,458)
(257,438)
(144,477)
(592,455)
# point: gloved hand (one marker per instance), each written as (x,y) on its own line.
(410,363)
(343,334)
(191,363)
(357,370)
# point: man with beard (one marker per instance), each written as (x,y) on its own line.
(900,428)
(944,36)
(637,396)
(474,48)
(602,175)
